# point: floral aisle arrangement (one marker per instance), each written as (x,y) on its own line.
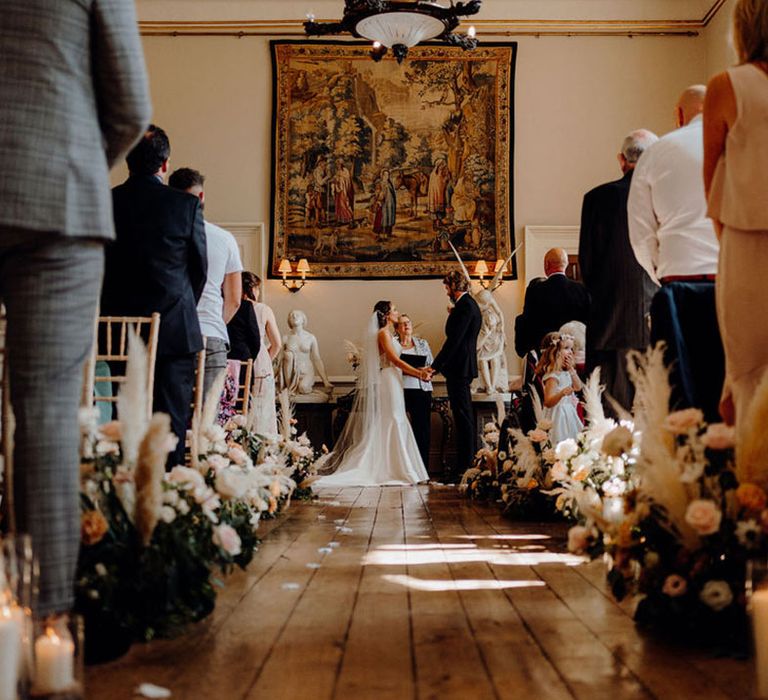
(480,481)
(687,526)
(154,542)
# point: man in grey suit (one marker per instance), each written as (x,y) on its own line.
(73,99)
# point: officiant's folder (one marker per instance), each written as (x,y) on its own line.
(417,361)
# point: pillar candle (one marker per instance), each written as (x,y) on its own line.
(10,652)
(613,509)
(54,663)
(759,604)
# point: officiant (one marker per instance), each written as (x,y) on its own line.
(418,393)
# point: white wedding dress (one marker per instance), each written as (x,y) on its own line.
(377,446)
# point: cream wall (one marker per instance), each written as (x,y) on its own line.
(575,100)
(720,53)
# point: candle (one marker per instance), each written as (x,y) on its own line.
(54,663)
(10,652)
(613,509)
(759,604)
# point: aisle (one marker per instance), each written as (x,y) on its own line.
(416,593)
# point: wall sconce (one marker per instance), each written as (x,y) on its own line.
(482,269)
(285,269)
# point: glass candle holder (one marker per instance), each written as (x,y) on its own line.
(57,658)
(10,652)
(757,605)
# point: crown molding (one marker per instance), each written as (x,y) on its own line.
(487,27)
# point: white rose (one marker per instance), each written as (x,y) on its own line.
(559,471)
(216,462)
(185,477)
(226,537)
(703,516)
(716,594)
(237,455)
(231,484)
(215,433)
(566,449)
(167,514)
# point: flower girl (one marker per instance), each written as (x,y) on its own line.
(558,375)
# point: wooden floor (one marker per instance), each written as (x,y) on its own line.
(416,593)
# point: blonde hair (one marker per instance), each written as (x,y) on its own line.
(551,347)
(750,30)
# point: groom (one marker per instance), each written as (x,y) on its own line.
(457,361)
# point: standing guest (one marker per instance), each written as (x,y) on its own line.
(620,289)
(418,393)
(457,362)
(560,380)
(735,154)
(676,245)
(549,303)
(243,328)
(223,286)
(73,100)
(158,264)
(263,393)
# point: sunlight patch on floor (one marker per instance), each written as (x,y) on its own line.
(436,585)
(402,555)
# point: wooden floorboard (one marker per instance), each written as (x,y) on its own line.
(422,595)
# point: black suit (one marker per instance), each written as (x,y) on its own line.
(620,289)
(158,263)
(549,303)
(457,361)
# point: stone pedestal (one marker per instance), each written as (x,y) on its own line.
(314,416)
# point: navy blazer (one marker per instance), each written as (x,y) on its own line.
(549,303)
(457,358)
(158,261)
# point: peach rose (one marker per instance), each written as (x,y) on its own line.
(674,586)
(680,422)
(703,516)
(111,431)
(617,442)
(93,527)
(559,471)
(719,436)
(537,435)
(751,497)
(226,537)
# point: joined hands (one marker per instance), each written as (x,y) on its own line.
(426,374)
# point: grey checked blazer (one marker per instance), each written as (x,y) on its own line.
(73,100)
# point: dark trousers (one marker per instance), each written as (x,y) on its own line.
(614,375)
(174,384)
(460,399)
(683,315)
(418,403)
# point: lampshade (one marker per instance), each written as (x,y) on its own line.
(481,267)
(285,266)
(407,28)
(303,266)
(499,265)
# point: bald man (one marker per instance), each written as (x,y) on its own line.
(674,241)
(550,302)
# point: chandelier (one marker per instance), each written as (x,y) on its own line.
(400,24)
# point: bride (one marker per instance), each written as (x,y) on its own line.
(377,446)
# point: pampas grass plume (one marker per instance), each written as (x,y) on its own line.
(284,399)
(150,468)
(132,401)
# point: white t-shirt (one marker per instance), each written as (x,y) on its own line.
(667,212)
(223,259)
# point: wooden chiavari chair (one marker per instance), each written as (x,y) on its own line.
(111,347)
(243,401)
(7,427)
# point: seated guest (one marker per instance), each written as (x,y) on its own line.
(676,245)
(158,264)
(735,154)
(418,393)
(620,289)
(223,286)
(549,303)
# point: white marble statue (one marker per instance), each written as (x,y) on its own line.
(492,340)
(300,364)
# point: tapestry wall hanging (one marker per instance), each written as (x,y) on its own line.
(378,166)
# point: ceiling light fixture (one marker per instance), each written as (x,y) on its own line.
(400,24)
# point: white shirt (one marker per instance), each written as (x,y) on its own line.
(667,211)
(223,259)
